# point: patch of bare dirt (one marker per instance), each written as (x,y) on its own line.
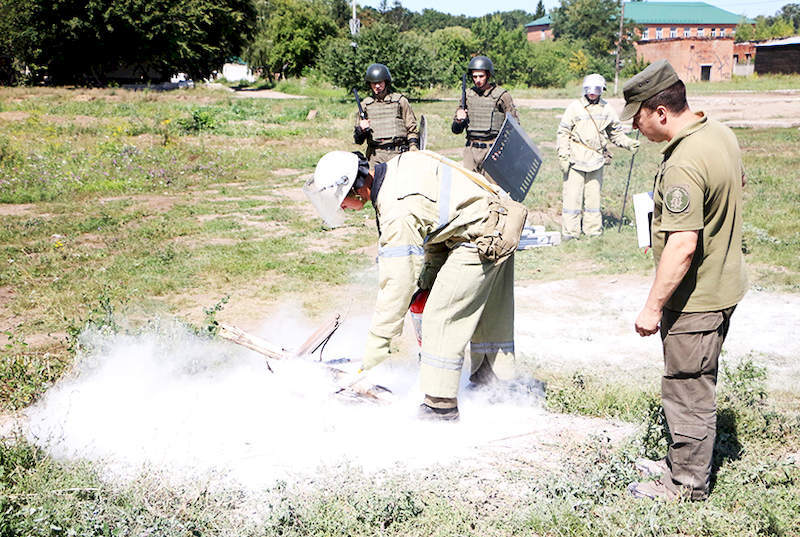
(17,209)
(266,94)
(14,115)
(286,172)
(152,202)
(772,108)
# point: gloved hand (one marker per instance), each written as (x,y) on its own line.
(427,276)
(564,165)
(634,147)
(376,351)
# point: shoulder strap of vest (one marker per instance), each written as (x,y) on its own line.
(469,175)
(368,100)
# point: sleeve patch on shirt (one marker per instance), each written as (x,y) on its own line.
(677,199)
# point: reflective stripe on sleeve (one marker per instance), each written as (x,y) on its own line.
(442,363)
(400,251)
(444,195)
(492,346)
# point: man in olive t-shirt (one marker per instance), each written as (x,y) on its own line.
(700,275)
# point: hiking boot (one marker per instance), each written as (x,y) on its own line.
(429,413)
(651,468)
(653,490)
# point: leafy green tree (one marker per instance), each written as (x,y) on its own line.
(506,48)
(339,11)
(540,11)
(430,20)
(595,23)
(452,47)
(288,36)
(18,40)
(744,32)
(781,28)
(511,20)
(548,63)
(762,29)
(791,12)
(407,54)
(82,41)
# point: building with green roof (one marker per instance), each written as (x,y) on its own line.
(664,20)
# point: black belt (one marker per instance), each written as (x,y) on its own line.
(392,147)
(479,145)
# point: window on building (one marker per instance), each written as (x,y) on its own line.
(687,32)
(722,32)
(747,58)
(736,59)
(673,32)
(659,33)
(544,35)
(713,32)
(701,32)
(646,34)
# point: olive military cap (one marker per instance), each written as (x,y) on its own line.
(654,78)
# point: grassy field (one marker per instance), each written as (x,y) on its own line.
(143,204)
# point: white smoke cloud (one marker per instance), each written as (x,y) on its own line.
(169,400)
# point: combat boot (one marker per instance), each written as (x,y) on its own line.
(651,468)
(653,490)
(429,413)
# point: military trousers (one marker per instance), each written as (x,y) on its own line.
(376,155)
(581,197)
(471,302)
(473,156)
(692,343)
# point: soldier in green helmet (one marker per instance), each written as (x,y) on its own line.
(389,126)
(486,105)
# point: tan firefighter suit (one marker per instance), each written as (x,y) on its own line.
(393,127)
(486,112)
(429,211)
(583,135)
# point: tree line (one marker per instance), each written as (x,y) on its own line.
(95,42)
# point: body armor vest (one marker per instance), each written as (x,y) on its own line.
(386,117)
(485,119)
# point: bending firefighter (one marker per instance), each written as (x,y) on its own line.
(385,120)
(482,112)
(440,228)
(586,128)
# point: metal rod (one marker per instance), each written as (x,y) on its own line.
(627,184)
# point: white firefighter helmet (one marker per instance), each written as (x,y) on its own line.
(333,178)
(594,84)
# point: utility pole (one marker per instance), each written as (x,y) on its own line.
(619,44)
(355,24)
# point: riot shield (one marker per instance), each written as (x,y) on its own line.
(514,160)
(423,132)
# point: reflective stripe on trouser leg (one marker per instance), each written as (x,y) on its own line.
(493,339)
(452,312)
(572,202)
(592,217)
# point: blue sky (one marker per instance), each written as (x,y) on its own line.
(481,7)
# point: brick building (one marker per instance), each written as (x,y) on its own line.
(539,30)
(693,58)
(682,20)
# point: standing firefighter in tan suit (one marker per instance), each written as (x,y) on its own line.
(388,126)
(438,230)
(700,274)
(585,130)
(482,113)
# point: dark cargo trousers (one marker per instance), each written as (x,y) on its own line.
(692,343)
